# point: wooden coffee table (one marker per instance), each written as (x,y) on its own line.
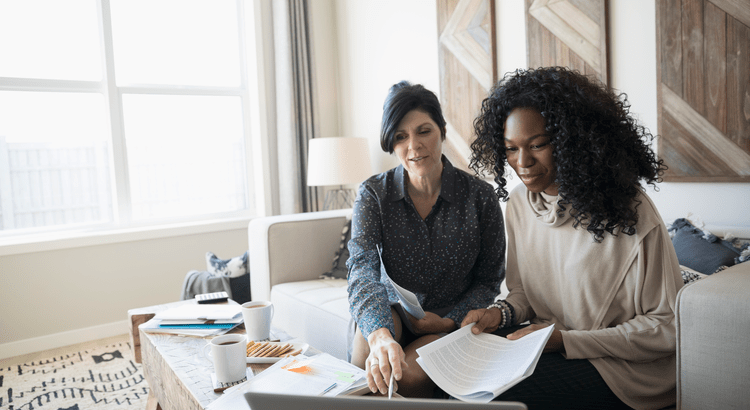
(178,375)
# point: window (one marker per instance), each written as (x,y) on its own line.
(122,112)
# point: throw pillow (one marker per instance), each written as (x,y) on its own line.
(699,250)
(240,287)
(689,275)
(234,267)
(339,270)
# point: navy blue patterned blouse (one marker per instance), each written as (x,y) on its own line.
(454,257)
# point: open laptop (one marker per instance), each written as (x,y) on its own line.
(269,401)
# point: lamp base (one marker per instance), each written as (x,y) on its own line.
(339,198)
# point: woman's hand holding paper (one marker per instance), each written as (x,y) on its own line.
(554,344)
(485,320)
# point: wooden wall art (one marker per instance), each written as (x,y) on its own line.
(468,69)
(703,62)
(569,33)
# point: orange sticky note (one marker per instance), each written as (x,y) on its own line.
(297,367)
(301,369)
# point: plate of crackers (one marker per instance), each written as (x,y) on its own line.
(272,352)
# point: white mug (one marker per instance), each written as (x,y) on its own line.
(230,357)
(257,317)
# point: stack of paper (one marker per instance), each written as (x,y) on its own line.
(320,375)
(477,368)
(196,320)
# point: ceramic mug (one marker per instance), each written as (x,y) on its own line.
(257,317)
(229,355)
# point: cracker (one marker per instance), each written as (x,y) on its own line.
(294,353)
(280,349)
(270,349)
(260,352)
(286,348)
(254,348)
(270,352)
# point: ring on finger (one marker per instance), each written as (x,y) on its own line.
(374,362)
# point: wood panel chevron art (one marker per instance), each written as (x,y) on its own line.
(569,33)
(468,69)
(703,60)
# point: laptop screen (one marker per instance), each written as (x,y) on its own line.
(267,401)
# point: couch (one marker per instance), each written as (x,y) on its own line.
(289,253)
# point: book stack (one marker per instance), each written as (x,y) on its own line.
(196,320)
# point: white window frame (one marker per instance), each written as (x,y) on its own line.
(253,92)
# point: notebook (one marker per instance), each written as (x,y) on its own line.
(267,401)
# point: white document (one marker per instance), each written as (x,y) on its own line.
(478,368)
(208,311)
(321,374)
(408,299)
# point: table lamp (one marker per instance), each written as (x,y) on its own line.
(338,161)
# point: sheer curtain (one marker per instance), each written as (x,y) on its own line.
(296,113)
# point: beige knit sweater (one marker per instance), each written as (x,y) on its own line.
(613,301)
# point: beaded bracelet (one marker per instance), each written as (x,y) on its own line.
(506,310)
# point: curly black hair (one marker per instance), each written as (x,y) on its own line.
(601,154)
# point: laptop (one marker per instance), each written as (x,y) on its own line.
(270,401)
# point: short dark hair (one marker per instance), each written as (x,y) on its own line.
(402,98)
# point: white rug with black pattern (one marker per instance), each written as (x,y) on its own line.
(99,377)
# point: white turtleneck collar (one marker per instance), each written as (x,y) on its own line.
(545,207)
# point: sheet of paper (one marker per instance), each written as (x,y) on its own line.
(321,374)
(188,312)
(479,367)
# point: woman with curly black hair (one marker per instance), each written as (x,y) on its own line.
(587,250)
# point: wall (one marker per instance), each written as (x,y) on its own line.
(381,43)
(375,53)
(633,63)
(51,298)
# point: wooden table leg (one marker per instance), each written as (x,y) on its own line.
(152,403)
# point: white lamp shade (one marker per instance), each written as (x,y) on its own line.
(338,161)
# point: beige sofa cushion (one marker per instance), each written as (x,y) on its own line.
(316,311)
(713,351)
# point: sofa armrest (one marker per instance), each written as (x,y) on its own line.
(713,356)
(291,248)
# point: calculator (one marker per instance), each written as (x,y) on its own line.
(215,297)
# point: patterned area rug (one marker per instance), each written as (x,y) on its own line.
(97,377)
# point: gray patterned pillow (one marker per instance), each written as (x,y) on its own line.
(689,275)
(699,250)
(338,269)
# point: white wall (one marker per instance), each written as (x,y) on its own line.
(382,42)
(55,297)
(633,63)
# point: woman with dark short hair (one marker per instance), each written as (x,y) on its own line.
(587,249)
(441,234)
